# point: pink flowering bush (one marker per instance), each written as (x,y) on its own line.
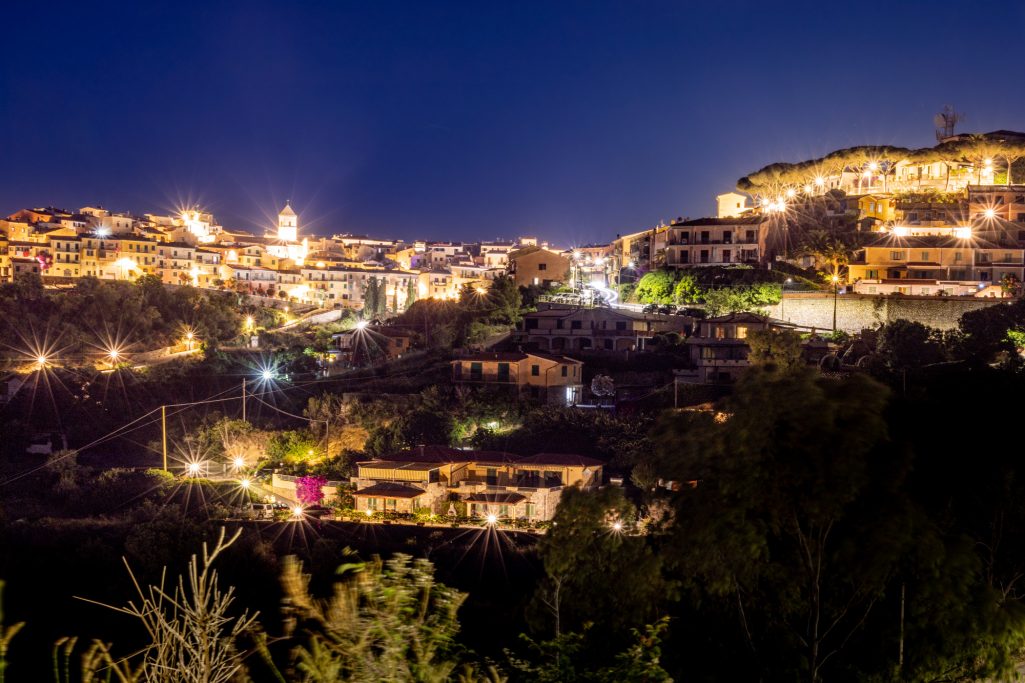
(310,490)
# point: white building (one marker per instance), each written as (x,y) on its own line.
(285,242)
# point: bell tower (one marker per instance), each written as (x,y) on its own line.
(288,224)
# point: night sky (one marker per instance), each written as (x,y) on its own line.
(573,121)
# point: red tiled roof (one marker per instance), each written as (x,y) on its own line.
(388,490)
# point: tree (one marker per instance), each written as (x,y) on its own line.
(777,349)
(602,386)
(425,426)
(656,287)
(827,250)
(905,345)
(505,301)
(686,290)
(595,573)
(371,296)
(792,486)
(291,447)
(410,293)
(984,331)
(741,298)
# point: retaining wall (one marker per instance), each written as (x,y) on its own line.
(855,312)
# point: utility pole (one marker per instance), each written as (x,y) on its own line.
(163,432)
(244,397)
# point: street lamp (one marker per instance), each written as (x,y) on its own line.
(782,295)
(836,287)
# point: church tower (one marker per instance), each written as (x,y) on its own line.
(288,224)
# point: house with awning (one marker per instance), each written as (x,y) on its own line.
(440,479)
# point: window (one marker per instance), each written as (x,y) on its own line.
(741,332)
(565,370)
(896,255)
(720,332)
(925,256)
(621,325)
(542,266)
(574,325)
(535,370)
(958,257)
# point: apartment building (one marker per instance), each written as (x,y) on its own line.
(538,266)
(717,241)
(943,263)
(557,328)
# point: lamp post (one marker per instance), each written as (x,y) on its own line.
(782,296)
(836,287)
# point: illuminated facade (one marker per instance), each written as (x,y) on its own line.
(285,244)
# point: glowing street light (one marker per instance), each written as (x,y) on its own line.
(492,519)
(238,462)
(990,213)
(617,526)
(791,193)
(873,166)
(836,287)
(369,512)
(244,483)
(42,360)
(193,468)
(113,354)
(297,512)
(250,322)
(820,181)
(267,375)
(362,325)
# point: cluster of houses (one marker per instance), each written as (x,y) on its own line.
(191,248)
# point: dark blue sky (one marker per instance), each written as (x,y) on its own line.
(467,120)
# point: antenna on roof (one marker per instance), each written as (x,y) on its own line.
(945,122)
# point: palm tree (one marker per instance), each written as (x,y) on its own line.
(827,250)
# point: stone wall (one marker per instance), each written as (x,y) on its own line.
(855,312)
